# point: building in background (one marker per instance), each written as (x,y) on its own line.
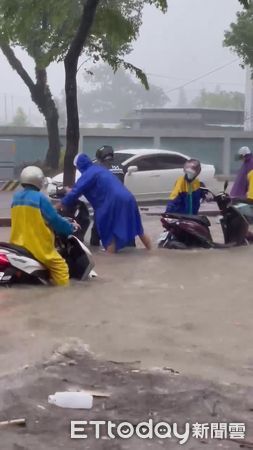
(184,118)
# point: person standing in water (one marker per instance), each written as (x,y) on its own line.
(116,212)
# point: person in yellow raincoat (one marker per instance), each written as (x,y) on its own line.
(186,195)
(34,221)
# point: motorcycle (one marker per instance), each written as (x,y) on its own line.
(189,231)
(18,265)
(80,212)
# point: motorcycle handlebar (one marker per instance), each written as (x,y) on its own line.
(204,189)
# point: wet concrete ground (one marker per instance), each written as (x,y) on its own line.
(187,310)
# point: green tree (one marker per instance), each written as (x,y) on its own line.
(42,97)
(27,24)
(54,30)
(240,36)
(220,100)
(108,97)
(20,119)
(115,27)
(245,3)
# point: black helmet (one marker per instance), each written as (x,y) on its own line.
(104,153)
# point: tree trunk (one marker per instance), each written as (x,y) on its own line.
(42,97)
(54,147)
(71,63)
(72,122)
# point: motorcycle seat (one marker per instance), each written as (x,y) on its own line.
(17,249)
(202,220)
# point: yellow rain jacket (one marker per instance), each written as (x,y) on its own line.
(33,223)
(250,185)
(185,197)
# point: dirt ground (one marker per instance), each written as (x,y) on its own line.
(186,311)
(135,396)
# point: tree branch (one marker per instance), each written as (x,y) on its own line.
(245,3)
(76,47)
(115,62)
(17,65)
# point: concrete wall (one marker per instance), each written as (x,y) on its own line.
(213,147)
(7,159)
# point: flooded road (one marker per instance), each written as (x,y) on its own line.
(191,311)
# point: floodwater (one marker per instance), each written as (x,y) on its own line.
(187,310)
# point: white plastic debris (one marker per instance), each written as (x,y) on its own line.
(41,407)
(73,400)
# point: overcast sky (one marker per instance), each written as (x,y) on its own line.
(181,45)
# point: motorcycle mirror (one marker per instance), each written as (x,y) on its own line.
(225,185)
(48,180)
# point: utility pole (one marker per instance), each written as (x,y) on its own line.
(248,107)
(5,109)
(12,106)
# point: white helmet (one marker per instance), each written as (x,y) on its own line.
(243,151)
(32,176)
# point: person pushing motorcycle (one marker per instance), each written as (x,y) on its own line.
(116,211)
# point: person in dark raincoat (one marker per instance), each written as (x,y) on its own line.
(243,185)
(105,157)
(116,212)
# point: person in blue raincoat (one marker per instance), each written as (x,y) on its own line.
(186,195)
(116,212)
(34,222)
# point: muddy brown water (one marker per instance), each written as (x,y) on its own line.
(186,310)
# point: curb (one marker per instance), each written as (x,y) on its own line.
(206,213)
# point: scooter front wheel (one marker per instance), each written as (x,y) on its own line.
(172,245)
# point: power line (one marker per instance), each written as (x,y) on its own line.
(227,83)
(168,77)
(202,76)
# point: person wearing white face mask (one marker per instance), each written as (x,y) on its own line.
(186,195)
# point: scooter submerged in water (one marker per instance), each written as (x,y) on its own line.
(79,213)
(18,266)
(186,231)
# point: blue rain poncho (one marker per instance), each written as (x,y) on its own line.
(116,212)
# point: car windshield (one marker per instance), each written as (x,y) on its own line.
(119,158)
